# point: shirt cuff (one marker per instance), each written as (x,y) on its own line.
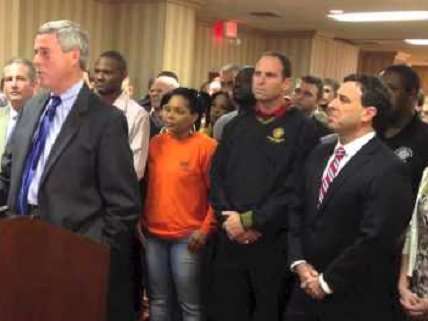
(247,219)
(324,285)
(296,263)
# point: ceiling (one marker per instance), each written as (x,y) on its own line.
(311,15)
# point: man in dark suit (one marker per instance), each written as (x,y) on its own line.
(358,200)
(71,164)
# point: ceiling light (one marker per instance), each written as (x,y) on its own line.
(335,11)
(380,16)
(417,42)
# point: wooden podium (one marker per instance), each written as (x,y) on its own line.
(50,274)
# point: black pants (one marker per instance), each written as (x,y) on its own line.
(122,281)
(299,306)
(246,283)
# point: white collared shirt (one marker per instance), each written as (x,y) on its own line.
(350,150)
(13,117)
(138,130)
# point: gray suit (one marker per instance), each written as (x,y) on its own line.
(88,185)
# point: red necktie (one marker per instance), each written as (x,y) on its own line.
(331,173)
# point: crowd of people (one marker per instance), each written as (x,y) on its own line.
(254,198)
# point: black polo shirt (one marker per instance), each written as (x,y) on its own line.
(411,146)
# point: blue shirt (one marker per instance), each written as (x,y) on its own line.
(68,98)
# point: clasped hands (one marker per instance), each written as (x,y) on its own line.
(309,281)
(236,231)
(413,305)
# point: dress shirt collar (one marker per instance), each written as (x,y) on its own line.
(13,113)
(122,99)
(354,146)
(71,92)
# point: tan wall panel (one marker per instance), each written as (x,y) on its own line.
(165,35)
(179,41)
(92,16)
(136,30)
(9,29)
(139,35)
(297,49)
(373,62)
(211,54)
(333,59)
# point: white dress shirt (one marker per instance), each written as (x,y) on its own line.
(138,130)
(13,117)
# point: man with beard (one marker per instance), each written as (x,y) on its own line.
(242,96)
(109,72)
(405,133)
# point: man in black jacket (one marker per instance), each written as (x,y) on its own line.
(255,174)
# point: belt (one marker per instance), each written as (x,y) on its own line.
(33,211)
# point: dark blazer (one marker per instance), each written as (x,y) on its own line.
(354,237)
(89,185)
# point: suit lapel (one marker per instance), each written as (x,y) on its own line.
(352,167)
(68,131)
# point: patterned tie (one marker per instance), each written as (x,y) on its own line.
(37,147)
(331,173)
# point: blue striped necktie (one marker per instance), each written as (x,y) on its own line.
(33,156)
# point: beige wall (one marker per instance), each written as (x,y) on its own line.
(308,52)
(139,30)
(372,62)
(296,47)
(167,35)
(8,28)
(128,28)
(333,59)
(136,30)
(211,54)
(179,41)
(30,14)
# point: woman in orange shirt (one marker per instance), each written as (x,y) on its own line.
(177,216)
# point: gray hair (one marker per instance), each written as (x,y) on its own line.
(169,81)
(234,68)
(70,37)
(24,62)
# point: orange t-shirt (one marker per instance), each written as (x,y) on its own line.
(178,183)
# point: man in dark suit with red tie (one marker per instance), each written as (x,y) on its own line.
(71,164)
(344,244)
